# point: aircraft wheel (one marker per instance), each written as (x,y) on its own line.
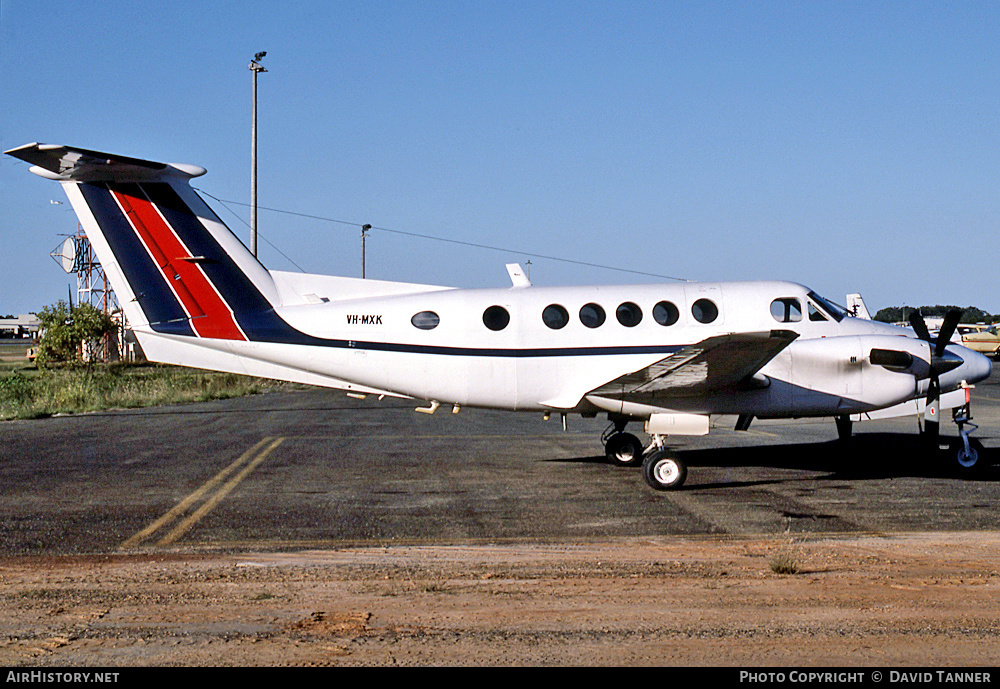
(663,471)
(624,450)
(968,462)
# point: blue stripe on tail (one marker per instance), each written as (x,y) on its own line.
(253,313)
(159,304)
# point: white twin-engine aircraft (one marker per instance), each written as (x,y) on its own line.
(669,355)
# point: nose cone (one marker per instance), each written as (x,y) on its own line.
(974,367)
(980,366)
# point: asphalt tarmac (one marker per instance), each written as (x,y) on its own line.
(317,469)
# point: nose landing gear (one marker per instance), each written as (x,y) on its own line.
(964,454)
(967,452)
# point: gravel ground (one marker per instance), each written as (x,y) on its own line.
(879,600)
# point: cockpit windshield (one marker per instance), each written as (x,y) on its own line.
(835,311)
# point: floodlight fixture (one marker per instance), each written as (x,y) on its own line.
(255,67)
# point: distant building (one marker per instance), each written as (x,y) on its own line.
(23,327)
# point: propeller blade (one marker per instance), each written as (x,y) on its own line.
(941,362)
(919,327)
(947,330)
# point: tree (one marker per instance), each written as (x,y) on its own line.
(69,334)
(899,314)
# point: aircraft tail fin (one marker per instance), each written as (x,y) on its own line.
(173,263)
(856,306)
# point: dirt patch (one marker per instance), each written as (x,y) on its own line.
(913,599)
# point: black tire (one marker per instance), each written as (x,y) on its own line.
(624,450)
(967,463)
(663,471)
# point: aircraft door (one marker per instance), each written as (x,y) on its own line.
(705,304)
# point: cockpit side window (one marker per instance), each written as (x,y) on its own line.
(815,314)
(824,309)
(786,310)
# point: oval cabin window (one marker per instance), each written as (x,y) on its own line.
(425,320)
(666,313)
(629,314)
(704,311)
(592,315)
(555,316)
(496,318)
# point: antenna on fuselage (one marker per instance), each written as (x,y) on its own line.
(364,236)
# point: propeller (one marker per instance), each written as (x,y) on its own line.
(940,362)
(947,330)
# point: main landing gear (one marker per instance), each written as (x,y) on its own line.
(660,468)
(622,449)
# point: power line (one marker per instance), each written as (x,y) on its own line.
(235,215)
(459,242)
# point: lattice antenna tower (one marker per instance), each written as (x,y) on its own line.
(76,255)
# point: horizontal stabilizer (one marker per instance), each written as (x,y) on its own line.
(69,164)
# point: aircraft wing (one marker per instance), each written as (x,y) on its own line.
(713,364)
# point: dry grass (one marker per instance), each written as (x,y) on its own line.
(27,393)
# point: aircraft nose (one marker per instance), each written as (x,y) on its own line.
(975,366)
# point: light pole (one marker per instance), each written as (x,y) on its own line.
(255,67)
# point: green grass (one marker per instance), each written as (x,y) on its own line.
(29,393)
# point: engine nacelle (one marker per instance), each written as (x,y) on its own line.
(838,375)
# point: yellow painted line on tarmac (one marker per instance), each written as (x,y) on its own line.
(251,458)
(756,432)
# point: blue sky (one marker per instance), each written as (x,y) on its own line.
(848,146)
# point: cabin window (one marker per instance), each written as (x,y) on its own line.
(629,314)
(786,310)
(425,320)
(592,315)
(555,316)
(666,313)
(704,311)
(496,318)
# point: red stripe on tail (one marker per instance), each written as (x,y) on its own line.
(210,316)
